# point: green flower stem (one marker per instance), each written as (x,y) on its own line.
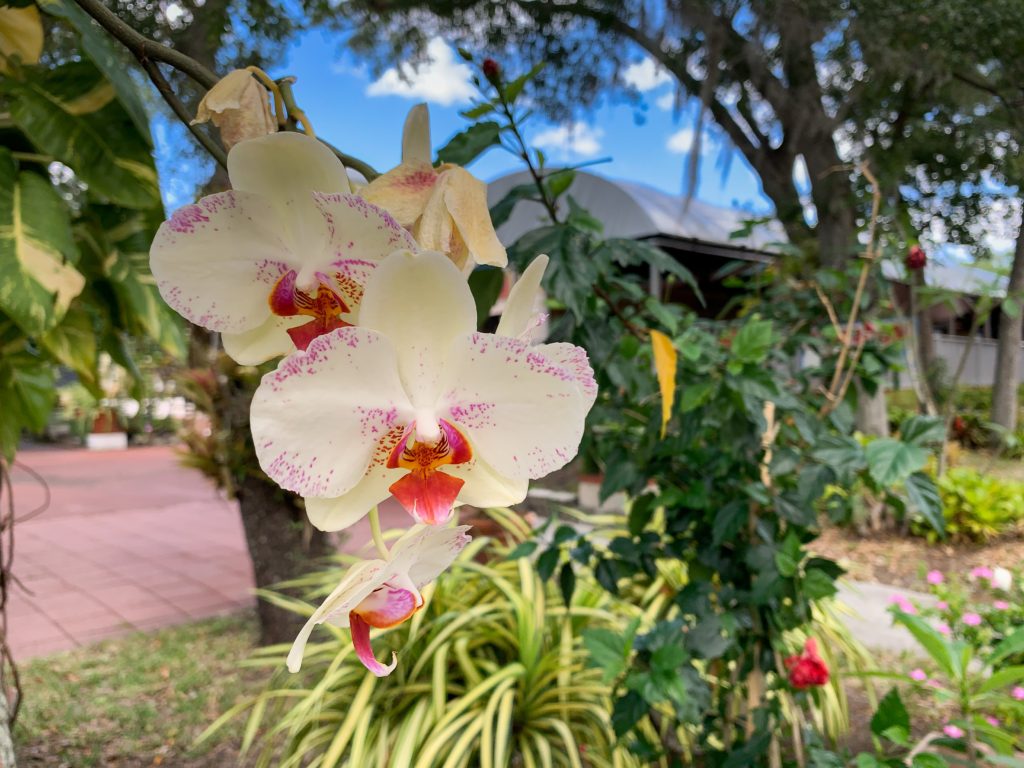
(378,537)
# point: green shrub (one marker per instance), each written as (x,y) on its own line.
(493,673)
(978,506)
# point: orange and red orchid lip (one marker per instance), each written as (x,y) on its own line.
(383,608)
(326,308)
(427,493)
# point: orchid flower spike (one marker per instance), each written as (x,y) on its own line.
(445,208)
(279,259)
(415,403)
(384,593)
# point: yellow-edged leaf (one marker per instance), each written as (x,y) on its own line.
(665,362)
(21,36)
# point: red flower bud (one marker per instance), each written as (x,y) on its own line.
(808,669)
(959,425)
(492,69)
(916,258)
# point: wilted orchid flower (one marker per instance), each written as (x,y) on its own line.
(384,593)
(279,259)
(414,403)
(445,208)
(238,105)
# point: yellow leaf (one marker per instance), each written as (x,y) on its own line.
(665,360)
(21,35)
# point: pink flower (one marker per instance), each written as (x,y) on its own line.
(952,731)
(993,721)
(933,683)
(918,675)
(971,619)
(1018,693)
(935,577)
(944,629)
(981,572)
(942,605)
(901,602)
(1001,605)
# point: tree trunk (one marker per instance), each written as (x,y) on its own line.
(872,411)
(1011,325)
(282,544)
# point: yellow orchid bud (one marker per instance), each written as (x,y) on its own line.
(238,105)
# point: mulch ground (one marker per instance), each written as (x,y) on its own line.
(903,560)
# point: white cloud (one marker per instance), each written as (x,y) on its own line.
(441,79)
(576,139)
(666,101)
(645,75)
(681,141)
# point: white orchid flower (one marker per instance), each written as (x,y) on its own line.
(384,593)
(414,403)
(445,208)
(279,259)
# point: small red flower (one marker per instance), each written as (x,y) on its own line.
(808,669)
(959,425)
(492,69)
(916,258)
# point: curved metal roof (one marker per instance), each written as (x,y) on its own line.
(628,209)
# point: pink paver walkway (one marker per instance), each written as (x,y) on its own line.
(131,541)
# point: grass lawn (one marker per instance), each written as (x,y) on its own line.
(139,700)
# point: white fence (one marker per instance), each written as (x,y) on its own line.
(980,369)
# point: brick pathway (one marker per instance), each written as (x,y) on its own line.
(131,541)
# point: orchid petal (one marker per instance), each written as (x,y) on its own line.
(361,642)
(574,359)
(426,551)
(522,411)
(520,306)
(465,198)
(360,580)
(484,487)
(335,514)
(428,496)
(416,136)
(263,342)
(286,169)
(318,419)
(359,235)
(216,261)
(422,304)
(403,191)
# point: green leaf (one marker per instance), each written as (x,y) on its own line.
(692,396)
(559,181)
(932,642)
(640,513)
(72,343)
(708,638)
(464,147)
(923,430)
(64,114)
(891,714)
(752,342)
(729,521)
(546,563)
(1010,307)
(927,760)
(607,576)
(563,534)
(608,650)
(97,45)
(925,500)
(523,549)
(567,582)
(841,454)
(28,394)
(1003,678)
(478,111)
(817,584)
(512,90)
(893,461)
(502,210)
(37,279)
(627,712)
(1008,646)
(486,284)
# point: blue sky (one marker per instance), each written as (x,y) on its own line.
(363,115)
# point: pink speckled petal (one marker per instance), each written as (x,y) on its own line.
(522,411)
(216,261)
(403,191)
(574,359)
(465,198)
(425,551)
(422,303)
(318,419)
